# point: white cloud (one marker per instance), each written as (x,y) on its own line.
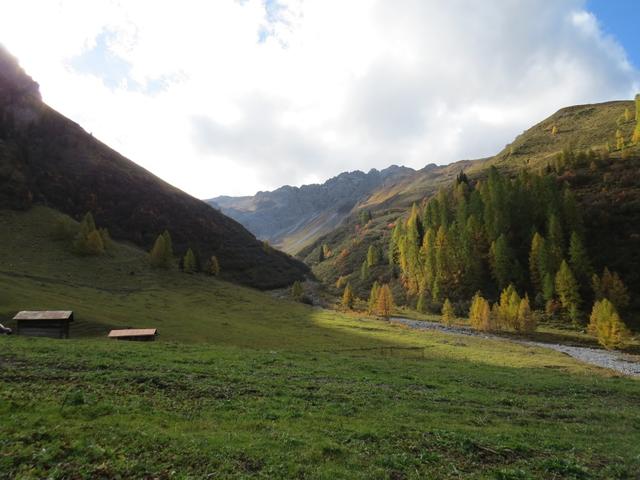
(228,97)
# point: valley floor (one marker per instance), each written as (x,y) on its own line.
(243,385)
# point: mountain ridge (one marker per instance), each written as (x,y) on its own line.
(48,159)
(292,217)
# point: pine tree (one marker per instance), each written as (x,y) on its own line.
(384,306)
(297,291)
(567,288)
(373,298)
(214,266)
(606,324)
(480,314)
(448,314)
(189,264)
(372,256)
(347,297)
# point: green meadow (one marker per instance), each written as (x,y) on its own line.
(241,384)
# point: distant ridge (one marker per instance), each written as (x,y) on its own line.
(293,217)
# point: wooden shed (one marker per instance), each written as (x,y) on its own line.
(47,323)
(134,334)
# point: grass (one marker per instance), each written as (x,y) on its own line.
(241,385)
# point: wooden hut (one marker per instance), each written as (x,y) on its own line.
(47,323)
(134,334)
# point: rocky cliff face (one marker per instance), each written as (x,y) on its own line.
(293,217)
(45,158)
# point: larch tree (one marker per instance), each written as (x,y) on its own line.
(373,298)
(373,256)
(567,290)
(297,291)
(161,254)
(93,244)
(448,314)
(214,266)
(611,287)
(607,326)
(189,263)
(384,306)
(364,270)
(480,313)
(347,297)
(579,259)
(536,269)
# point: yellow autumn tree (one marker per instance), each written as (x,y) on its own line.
(607,326)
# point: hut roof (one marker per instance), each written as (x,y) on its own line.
(133,332)
(44,315)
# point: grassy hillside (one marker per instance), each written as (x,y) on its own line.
(47,159)
(242,385)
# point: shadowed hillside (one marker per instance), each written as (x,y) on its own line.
(47,159)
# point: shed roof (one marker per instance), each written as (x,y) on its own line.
(133,332)
(44,315)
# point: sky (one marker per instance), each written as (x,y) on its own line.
(229,97)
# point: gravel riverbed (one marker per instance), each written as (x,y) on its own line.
(601,358)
